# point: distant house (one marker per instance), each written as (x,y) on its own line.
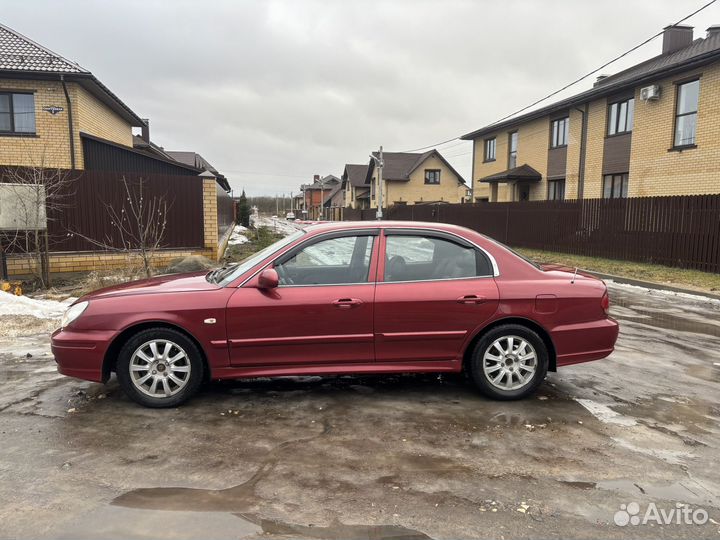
(315,194)
(334,203)
(652,129)
(410,178)
(357,193)
(55,114)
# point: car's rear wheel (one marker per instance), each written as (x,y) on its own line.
(159,367)
(509,362)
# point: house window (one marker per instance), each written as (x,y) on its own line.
(560,132)
(686,113)
(372,189)
(17,113)
(490,149)
(620,117)
(556,190)
(615,186)
(512,150)
(432,176)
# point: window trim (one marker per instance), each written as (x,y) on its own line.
(12,132)
(566,119)
(679,84)
(432,171)
(444,236)
(485,149)
(618,101)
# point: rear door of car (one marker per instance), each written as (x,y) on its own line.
(435,289)
(321,312)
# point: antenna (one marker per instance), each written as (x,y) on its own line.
(574,275)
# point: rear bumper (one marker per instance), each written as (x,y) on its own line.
(81,354)
(584,342)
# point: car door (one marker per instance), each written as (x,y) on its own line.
(321,312)
(435,290)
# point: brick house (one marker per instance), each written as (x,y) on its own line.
(410,178)
(55,114)
(650,130)
(314,196)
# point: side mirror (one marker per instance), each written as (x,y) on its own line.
(268,279)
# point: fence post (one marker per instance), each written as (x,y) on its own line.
(507,221)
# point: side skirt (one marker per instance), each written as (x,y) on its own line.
(237,372)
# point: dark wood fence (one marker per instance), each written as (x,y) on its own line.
(681,231)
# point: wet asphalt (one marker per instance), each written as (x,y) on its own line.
(391,457)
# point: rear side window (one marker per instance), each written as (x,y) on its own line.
(422,258)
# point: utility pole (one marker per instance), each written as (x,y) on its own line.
(276,204)
(379,163)
(322,203)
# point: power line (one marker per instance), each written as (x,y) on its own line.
(556,92)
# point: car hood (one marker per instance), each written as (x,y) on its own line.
(161,284)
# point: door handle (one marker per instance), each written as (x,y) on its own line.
(472,299)
(347,303)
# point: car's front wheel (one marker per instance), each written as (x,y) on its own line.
(509,362)
(159,367)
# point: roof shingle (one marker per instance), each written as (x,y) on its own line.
(19,53)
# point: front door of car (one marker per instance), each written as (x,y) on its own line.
(321,312)
(436,289)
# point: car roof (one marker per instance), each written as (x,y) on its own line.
(346,225)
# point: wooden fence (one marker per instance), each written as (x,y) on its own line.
(682,231)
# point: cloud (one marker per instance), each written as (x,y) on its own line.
(272,92)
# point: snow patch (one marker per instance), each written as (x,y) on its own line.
(278,225)
(237,237)
(24,305)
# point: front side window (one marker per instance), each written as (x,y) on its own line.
(556,190)
(620,117)
(686,113)
(17,113)
(333,261)
(490,149)
(422,258)
(615,186)
(512,150)
(432,176)
(560,132)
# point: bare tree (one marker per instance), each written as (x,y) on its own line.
(139,225)
(33,197)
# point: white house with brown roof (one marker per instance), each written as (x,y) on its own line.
(410,178)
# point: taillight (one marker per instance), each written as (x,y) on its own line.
(605,302)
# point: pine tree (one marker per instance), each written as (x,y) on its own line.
(243,210)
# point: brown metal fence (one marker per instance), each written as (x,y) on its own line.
(681,231)
(84,212)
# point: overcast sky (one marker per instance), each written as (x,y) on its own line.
(272,92)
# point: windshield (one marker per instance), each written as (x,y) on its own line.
(233,272)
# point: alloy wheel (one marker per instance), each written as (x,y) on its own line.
(159,368)
(510,363)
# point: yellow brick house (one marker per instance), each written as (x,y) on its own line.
(55,114)
(415,178)
(650,130)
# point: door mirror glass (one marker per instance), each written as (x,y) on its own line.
(268,279)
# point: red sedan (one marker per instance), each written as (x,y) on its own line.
(369,297)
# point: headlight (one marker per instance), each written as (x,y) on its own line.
(73,313)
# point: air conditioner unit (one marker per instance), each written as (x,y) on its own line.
(650,93)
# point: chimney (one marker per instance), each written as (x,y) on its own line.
(145,135)
(713,31)
(316,178)
(676,38)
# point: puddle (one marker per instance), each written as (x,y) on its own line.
(686,491)
(336,530)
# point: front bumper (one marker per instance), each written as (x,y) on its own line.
(81,354)
(584,342)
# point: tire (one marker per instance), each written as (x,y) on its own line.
(177,370)
(501,365)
